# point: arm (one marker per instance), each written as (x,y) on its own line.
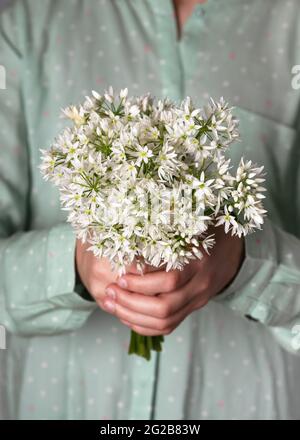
(37,268)
(267,285)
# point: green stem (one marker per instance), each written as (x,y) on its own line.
(142,345)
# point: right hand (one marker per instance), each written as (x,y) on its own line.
(95,273)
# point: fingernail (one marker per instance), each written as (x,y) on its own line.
(122,283)
(109,305)
(111,293)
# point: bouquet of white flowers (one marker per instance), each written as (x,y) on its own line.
(144,179)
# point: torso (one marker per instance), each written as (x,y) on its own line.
(182,11)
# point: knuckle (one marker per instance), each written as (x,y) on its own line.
(165,324)
(164,310)
(172,280)
(206,283)
(128,324)
(162,325)
(139,330)
(204,301)
(167,331)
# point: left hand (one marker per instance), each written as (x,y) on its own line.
(157,302)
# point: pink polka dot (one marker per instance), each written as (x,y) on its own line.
(31,407)
(99,80)
(232,55)
(17,150)
(220,403)
(147,48)
(268,103)
(264,138)
(258,241)
(220,325)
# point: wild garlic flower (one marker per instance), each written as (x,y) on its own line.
(143,179)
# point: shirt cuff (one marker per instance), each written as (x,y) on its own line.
(243,294)
(65,291)
(81,290)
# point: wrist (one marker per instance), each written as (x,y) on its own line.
(238,265)
(80,288)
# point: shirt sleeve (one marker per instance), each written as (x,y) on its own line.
(267,286)
(38,289)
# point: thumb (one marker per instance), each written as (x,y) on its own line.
(147,268)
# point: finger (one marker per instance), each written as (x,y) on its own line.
(156,282)
(193,305)
(147,321)
(166,327)
(161,305)
(126,322)
(147,331)
(133,317)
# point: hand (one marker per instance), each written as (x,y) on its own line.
(157,302)
(95,273)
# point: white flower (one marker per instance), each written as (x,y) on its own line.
(109,95)
(124,93)
(202,186)
(208,242)
(227,219)
(143,154)
(143,179)
(77,116)
(96,95)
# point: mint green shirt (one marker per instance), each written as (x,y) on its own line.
(238,357)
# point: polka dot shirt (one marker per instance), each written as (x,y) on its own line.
(65,357)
